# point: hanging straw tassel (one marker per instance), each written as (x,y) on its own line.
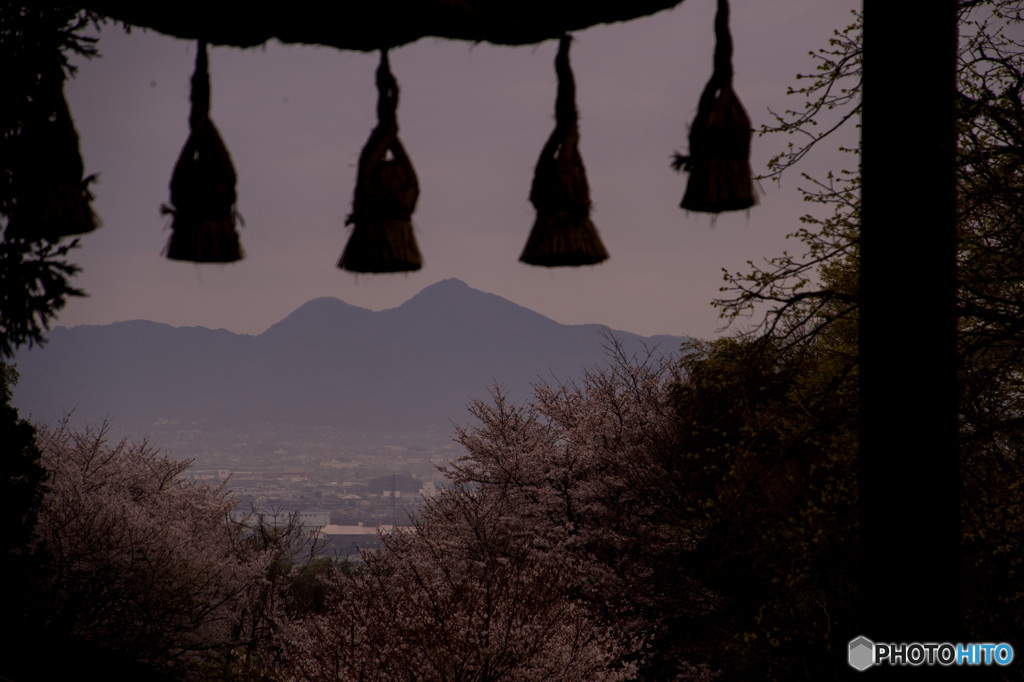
(382,238)
(52,196)
(719,160)
(203,185)
(563,233)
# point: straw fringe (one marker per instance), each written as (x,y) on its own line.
(203,186)
(53,197)
(382,238)
(719,160)
(563,233)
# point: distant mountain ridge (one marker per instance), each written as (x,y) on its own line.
(413,367)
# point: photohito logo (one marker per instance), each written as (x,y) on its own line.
(863,653)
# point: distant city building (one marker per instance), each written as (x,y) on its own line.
(310,519)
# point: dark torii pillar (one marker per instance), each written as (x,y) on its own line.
(908,470)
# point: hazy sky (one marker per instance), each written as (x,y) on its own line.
(473,119)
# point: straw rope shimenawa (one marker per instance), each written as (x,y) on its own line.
(203,185)
(367,26)
(382,238)
(563,233)
(46,165)
(719,160)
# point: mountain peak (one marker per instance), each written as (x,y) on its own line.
(326,304)
(450,284)
(452,301)
(445,289)
(320,313)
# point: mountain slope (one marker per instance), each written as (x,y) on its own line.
(412,367)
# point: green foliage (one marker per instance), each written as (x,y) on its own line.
(831,98)
(807,291)
(34,286)
(768,445)
(771,423)
(772,415)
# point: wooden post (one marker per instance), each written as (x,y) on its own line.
(909,475)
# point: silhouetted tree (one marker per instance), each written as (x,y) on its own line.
(44,198)
(814,308)
(21,492)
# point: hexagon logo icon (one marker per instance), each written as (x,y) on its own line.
(862,653)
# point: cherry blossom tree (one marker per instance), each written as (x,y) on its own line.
(470,593)
(552,557)
(151,566)
(596,463)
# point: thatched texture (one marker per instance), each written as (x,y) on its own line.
(719,160)
(563,233)
(46,167)
(369,26)
(382,238)
(203,186)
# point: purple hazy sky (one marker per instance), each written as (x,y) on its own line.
(473,119)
